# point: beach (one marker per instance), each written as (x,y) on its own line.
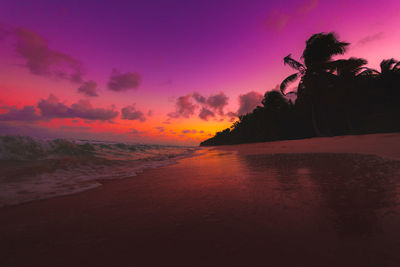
(331,201)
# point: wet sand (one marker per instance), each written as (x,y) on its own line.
(317,202)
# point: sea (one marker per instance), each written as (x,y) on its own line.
(39,168)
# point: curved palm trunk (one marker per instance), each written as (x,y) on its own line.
(314,121)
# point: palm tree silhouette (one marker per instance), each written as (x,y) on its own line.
(334,97)
(346,92)
(315,71)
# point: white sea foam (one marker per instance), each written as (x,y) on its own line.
(35,169)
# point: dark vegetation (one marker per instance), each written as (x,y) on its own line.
(333,97)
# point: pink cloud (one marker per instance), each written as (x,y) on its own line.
(218,102)
(183,107)
(248,102)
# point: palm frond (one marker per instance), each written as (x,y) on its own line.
(287,81)
(386,64)
(347,66)
(288,60)
(365,71)
(321,47)
(397,66)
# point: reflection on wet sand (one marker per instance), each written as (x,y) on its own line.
(220,209)
(337,207)
(355,190)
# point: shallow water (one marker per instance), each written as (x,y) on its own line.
(34,169)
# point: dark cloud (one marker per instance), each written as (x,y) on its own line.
(74,128)
(231,115)
(189,131)
(42,60)
(248,102)
(210,106)
(27,113)
(218,102)
(206,114)
(160,129)
(88,88)
(134,131)
(183,108)
(53,108)
(124,81)
(199,98)
(131,113)
(371,38)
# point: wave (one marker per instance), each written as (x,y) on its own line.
(34,168)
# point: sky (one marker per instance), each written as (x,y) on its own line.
(164,72)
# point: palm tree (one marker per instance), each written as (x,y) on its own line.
(386,80)
(345,97)
(389,66)
(315,71)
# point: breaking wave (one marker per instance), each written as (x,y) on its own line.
(33,169)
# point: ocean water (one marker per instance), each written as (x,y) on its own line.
(33,169)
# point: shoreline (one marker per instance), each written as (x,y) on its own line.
(353,144)
(229,206)
(388,146)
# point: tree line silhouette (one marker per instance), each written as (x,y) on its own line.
(333,97)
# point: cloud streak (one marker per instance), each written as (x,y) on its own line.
(370,38)
(27,113)
(44,61)
(277,20)
(53,108)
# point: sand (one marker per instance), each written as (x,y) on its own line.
(316,202)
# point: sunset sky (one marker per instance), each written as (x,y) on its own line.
(166,72)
